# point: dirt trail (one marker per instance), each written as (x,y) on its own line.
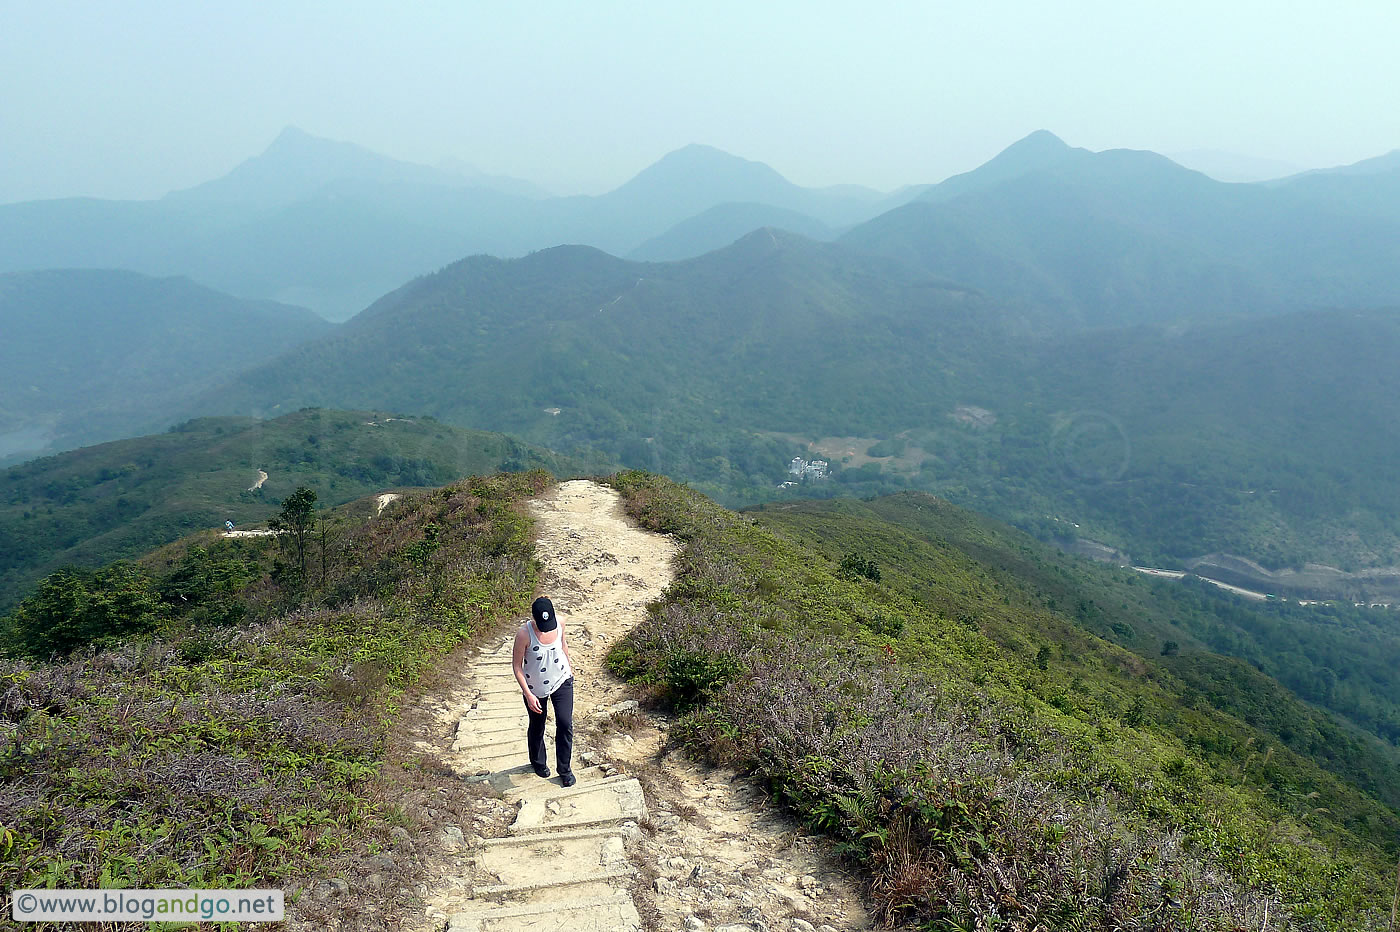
(646,840)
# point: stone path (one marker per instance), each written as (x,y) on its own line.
(679,848)
(563,863)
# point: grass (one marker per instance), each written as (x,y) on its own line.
(255,754)
(974,789)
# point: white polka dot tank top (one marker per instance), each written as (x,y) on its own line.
(546,666)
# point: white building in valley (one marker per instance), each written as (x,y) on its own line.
(808,469)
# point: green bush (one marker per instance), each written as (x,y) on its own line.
(74,608)
(693,677)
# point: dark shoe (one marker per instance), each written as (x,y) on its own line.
(567,778)
(541,770)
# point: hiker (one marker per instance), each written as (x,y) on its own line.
(543,669)
(228,526)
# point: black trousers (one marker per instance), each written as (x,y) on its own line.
(563,699)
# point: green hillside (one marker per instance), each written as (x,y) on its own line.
(118,500)
(721,225)
(1344,659)
(986,759)
(1264,437)
(91,355)
(239,734)
(902,674)
(1272,438)
(697,368)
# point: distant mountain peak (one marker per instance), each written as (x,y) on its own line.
(699,150)
(1041,140)
(297,164)
(297,142)
(291,135)
(705,164)
(773,242)
(1040,149)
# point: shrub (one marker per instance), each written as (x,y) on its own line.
(75,608)
(860,565)
(250,755)
(967,800)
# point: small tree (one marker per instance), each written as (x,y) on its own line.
(294,524)
(859,565)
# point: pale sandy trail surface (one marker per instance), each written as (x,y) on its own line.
(647,840)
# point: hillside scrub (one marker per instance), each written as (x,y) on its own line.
(216,754)
(969,801)
(1036,602)
(120,500)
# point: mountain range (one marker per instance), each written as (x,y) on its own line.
(1098,345)
(1260,436)
(1098,238)
(91,355)
(332,226)
(1101,239)
(1108,351)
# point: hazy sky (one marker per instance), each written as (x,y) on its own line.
(134,98)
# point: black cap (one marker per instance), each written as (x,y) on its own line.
(543,610)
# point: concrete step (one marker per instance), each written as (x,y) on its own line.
(496,760)
(572,858)
(482,713)
(588,780)
(488,730)
(495,725)
(497,713)
(612,912)
(502,756)
(496,742)
(521,781)
(496,684)
(507,738)
(516,841)
(598,804)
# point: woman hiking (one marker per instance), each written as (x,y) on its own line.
(543,669)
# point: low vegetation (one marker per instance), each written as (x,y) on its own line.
(216,715)
(1340,657)
(984,775)
(120,500)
